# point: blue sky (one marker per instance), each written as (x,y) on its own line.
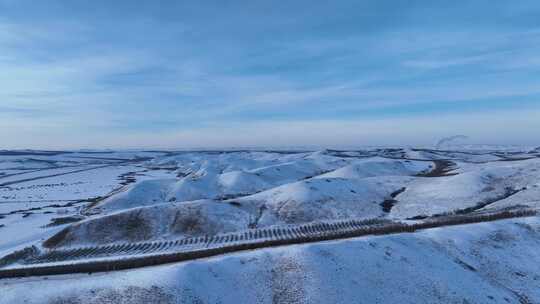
(118,74)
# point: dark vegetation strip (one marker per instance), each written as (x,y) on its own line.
(442,168)
(389,203)
(30,170)
(55,175)
(57,221)
(136,159)
(38,153)
(38,201)
(219,152)
(222,244)
(508,193)
(92,167)
(510,159)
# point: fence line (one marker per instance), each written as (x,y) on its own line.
(31,262)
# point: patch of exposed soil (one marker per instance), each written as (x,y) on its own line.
(57,221)
(387,204)
(442,168)
(57,239)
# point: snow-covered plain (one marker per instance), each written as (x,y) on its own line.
(33,196)
(102,197)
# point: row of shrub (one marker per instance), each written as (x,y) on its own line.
(247,240)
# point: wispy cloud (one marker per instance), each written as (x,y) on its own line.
(509,127)
(182,67)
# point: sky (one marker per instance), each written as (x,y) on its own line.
(209,74)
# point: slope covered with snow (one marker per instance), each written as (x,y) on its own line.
(250,189)
(481,263)
(84,198)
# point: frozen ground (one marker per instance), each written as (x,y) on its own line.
(102,197)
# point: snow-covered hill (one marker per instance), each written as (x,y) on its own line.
(66,199)
(481,263)
(234,190)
